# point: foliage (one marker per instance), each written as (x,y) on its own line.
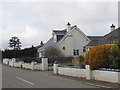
(61,59)
(30,59)
(113,60)
(0,55)
(41,43)
(67,64)
(78,61)
(15,43)
(27,52)
(97,55)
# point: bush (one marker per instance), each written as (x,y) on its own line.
(78,61)
(30,59)
(61,59)
(96,56)
(113,60)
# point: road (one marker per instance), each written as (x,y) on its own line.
(21,78)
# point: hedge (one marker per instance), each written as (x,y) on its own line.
(97,55)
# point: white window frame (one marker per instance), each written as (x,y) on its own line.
(76,52)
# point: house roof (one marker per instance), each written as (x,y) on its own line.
(95,37)
(59,32)
(94,40)
(63,32)
(110,37)
(51,42)
(107,39)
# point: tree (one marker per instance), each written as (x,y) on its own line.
(0,55)
(32,46)
(53,52)
(15,43)
(41,43)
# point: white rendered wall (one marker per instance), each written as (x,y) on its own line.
(77,41)
(108,76)
(72,72)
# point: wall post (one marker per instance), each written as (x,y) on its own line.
(44,63)
(32,65)
(88,72)
(55,67)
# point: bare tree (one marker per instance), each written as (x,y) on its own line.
(53,52)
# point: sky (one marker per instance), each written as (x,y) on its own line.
(32,21)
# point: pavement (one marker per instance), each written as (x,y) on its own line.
(20,78)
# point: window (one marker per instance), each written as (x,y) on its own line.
(76,52)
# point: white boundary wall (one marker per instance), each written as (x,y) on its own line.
(100,74)
(108,76)
(32,66)
(72,72)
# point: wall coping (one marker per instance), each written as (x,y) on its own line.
(71,67)
(108,70)
(44,57)
(56,62)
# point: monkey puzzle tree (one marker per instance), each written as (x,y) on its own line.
(15,43)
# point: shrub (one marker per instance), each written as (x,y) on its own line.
(61,59)
(29,59)
(97,55)
(113,57)
(78,61)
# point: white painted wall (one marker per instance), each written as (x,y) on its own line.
(77,41)
(108,76)
(32,66)
(72,72)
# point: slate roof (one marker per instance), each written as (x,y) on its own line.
(94,40)
(110,37)
(107,39)
(59,32)
(63,32)
(50,42)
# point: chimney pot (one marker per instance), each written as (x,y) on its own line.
(68,27)
(68,23)
(112,28)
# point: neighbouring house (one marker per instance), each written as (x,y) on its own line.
(93,42)
(109,38)
(70,41)
(112,37)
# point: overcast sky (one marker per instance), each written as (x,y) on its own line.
(33,21)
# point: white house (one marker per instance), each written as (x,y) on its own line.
(70,41)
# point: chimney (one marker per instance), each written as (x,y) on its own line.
(68,27)
(112,28)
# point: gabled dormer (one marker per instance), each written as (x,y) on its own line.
(57,34)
